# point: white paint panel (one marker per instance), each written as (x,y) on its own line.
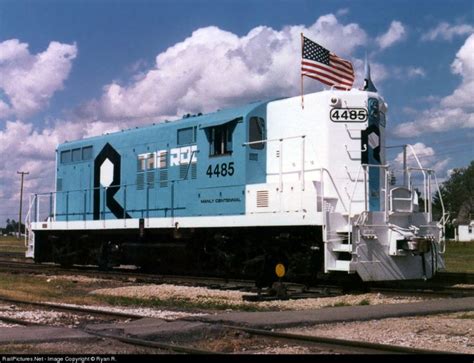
(106,173)
(253,220)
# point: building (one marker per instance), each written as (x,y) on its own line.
(466,232)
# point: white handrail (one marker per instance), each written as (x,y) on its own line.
(28,220)
(322,170)
(425,195)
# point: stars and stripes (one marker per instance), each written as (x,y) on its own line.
(319,63)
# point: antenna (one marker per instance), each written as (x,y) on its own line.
(368,84)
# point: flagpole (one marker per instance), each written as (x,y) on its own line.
(302,91)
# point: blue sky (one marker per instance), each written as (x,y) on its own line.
(71,69)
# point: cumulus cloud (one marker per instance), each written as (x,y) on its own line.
(35,154)
(395,33)
(464,66)
(427,157)
(28,81)
(454,111)
(447,31)
(214,68)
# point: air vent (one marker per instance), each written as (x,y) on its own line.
(150,179)
(194,171)
(163,178)
(183,171)
(140,181)
(262,199)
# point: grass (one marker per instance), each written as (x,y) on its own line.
(12,244)
(469,315)
(38,288)
(337,305)
(459,257)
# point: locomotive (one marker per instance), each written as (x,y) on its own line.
(243,191)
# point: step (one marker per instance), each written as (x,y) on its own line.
(340,266)
(343,248)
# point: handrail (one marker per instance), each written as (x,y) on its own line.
(364,149)
(271,140)
(350,176)
(366,167)
(425,193)
(353,193)
(442,204)
(349,132)
(322,170)
(189,164)
(27,221)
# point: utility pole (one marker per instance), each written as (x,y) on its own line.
(405,176)
(22,173)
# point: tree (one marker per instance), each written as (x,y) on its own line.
(458,195)
(12,226)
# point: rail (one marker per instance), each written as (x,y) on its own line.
(85,209)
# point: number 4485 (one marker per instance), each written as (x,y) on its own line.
(224,169)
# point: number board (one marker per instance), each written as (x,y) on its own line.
(348,115)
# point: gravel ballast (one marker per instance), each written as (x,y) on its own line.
(202,295)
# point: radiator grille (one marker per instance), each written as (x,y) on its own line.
(150,179)
(140,181)
(262,198)
(182,171)
(163,178)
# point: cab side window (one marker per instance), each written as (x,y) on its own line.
(220,139)
(256,133)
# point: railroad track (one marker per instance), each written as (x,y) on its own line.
(318,342)
(455,277)
(351,346)
(13,255)
(441,286)
(132,341)
(73,309)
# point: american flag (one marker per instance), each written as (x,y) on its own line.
(319,63)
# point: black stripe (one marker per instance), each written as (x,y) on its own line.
(108,152)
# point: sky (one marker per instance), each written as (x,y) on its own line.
(72,69)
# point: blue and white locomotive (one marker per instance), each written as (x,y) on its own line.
(239,191)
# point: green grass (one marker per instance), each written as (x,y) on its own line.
(469,315)
(337,305)
(12,244)
(37,288)
(459,257)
